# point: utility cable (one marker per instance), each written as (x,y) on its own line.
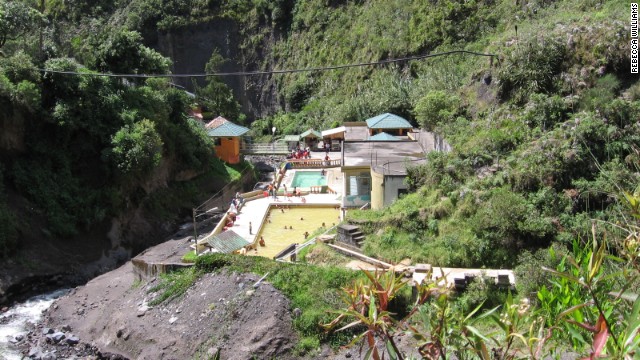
(286,71)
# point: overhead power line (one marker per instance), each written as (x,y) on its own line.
(286,71)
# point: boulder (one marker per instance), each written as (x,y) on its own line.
(56,337)
(72,340)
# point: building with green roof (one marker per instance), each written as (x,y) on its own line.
(389,123)
(311,138)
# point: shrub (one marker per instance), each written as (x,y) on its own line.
(530,276)
(531,68)
(545,111)
(604,91)
(27,94)
(137,149)
(484,292)
(436,107)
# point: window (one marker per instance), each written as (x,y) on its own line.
(217,141)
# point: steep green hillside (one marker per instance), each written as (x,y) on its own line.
(545,132)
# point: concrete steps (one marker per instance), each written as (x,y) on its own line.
(350,235)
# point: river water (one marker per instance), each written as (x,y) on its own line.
(15,321)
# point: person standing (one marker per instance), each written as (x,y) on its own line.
(250,229)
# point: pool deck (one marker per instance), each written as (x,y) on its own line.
(256,211)
(334,179)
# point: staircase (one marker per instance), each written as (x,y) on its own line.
(351,236)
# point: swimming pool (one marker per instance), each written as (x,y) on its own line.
(287,226)
(305,179)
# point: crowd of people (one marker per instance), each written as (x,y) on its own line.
(300,153)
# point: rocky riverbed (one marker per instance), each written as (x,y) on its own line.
(111,318)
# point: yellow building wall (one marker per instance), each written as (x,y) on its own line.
(229,150)
(377,190)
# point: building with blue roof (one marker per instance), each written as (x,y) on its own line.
(389,123)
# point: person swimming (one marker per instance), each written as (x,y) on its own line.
(261,242)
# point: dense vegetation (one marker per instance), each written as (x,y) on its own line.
(314,290)
(93,147)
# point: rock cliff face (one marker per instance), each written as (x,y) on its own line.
(13,124)
(191,47)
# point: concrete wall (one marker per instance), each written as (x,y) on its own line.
(391,186)
(377,191)
(384,189)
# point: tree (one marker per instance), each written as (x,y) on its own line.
(121,51)
(16,18)
(436,107)
(137,148)
(216,96)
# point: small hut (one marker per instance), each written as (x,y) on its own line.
(310,138)
(334,137)
(292,141)
(389,123)
(227,138)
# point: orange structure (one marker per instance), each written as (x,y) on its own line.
(227,137)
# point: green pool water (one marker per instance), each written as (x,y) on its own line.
(305,179)
(287,226)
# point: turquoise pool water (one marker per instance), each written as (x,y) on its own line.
(305,179)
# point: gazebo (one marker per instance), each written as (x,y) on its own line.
(383,136)
(226,138)
(389,123)
(311,138)
(292,141)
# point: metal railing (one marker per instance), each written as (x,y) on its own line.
(263,148)
(303,245)
(314,163)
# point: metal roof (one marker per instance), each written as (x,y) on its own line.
(291,138)
(311,132)
(227,242)
(334,131)
(383,136)
(393,155)
(228,129)
(388,121)
(215,123)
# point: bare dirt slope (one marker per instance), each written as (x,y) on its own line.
(221,311)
